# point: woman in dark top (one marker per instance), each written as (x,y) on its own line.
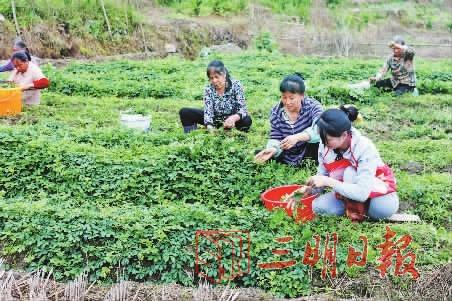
(224,103)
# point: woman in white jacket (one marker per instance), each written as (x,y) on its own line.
(362,185)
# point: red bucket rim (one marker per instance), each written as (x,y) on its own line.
(277,203)
(264,199)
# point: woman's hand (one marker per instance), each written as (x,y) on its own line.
(264,155)
(289,142)
(210,128)
(321,181)
(229,123)
(395,45)
(305,190)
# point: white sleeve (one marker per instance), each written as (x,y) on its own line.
(36,73)
(364,180)
(321,171)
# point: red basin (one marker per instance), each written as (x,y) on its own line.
(271,199)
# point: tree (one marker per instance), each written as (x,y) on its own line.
(13,6)
(106,17)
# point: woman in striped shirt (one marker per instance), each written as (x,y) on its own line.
(292,135)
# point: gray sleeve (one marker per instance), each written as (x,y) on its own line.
(276,145)
(313,133)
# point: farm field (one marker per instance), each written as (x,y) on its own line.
(80,192)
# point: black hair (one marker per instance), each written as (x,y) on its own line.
(21,56)
(23,48)
(334,122)
(351,111)
(219,68)
(293,83)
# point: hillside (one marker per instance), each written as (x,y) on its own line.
(56,29)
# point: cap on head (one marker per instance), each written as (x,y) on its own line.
(398,40)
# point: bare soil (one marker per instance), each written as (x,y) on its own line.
(435,283)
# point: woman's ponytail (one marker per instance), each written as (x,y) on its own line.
(352,112)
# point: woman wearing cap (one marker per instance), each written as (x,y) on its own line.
(224,103)
(401,65)
(292,120)
(28,77)
(362,185)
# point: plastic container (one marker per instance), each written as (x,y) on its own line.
(10,101)
(272,199)
(136,121)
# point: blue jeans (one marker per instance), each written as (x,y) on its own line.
(379,208)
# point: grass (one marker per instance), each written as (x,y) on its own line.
(79,191)
(432,16)
(80,18)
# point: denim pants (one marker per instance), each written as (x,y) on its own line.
(380,207)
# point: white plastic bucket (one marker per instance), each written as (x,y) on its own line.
(365,84)
(136,121)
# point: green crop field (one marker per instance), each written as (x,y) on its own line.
(80,192)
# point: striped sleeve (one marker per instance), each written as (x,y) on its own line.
(276,132)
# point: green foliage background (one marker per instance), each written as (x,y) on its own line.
(78,191)
(81,18)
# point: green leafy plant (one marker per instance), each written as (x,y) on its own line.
(78,191)
(264,42)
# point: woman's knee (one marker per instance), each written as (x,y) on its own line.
(244,124)
(184,112)
(383,206)
(190,116)
(327,204)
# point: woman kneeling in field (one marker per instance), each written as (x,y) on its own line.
(224,103)
(362,185)
(28,77)
(292,136)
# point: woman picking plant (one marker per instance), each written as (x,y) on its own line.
(28,77)
(349,164)
(224,103)
(292,134)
